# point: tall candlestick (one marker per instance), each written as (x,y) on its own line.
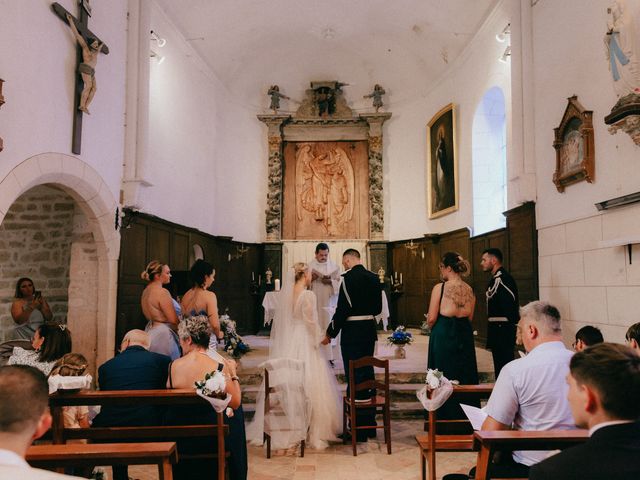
(396,276)
(401,278)
(277,285)
(253,277)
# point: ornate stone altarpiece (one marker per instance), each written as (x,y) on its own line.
(335,188)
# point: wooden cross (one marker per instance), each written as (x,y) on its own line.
(82,25)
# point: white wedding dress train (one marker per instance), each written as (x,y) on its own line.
(318,413)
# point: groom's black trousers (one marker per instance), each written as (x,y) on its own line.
(355,351)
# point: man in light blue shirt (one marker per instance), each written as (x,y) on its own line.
(531,392)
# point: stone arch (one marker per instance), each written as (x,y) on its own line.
(489,161)
(93,197)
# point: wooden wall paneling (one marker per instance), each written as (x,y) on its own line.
(180,252)
(158,244)
(518,242)
(523,251)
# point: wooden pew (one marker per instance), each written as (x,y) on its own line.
(433,442)
(487,442)
(162,454)
(158,433)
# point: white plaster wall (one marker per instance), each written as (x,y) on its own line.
(464,84)
(38,63)
(182,133)
(569,58)
(589,282)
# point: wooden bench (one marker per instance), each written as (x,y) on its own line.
(175,397)
(162,454)
(487,442)
(433,442)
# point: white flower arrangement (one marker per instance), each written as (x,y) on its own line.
(233,343)
(213,389)
(434,378)
(213,385)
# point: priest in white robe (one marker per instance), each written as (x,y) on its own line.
(325,284)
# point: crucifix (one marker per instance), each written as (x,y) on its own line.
(89,46)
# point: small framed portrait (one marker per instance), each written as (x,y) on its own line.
(442,163)
(574,146)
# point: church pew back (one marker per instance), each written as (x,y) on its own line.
(168,397)
(433,442)
(487,442)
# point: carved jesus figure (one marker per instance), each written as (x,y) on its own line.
(87,68)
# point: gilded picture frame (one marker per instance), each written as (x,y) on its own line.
(574,147)
(442,163)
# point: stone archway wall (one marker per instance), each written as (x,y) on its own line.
(94,199)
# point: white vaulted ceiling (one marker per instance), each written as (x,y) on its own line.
(405,45)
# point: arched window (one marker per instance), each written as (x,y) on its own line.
(489,153)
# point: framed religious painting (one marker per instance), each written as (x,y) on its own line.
(442,163)
(574,146)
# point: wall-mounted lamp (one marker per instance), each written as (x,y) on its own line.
(412,247)
(502,36)
(157,57)
(158,39)
(505,56)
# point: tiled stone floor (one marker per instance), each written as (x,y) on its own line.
(337,462)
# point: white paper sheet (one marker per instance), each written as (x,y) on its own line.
(476,415)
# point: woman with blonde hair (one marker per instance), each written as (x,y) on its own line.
(296,335)
(195,363)
(157,307)
(451,345)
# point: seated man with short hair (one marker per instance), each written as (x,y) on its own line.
(604,394)
(24,417)
(135,368)
(633,336)
(587,336)
(531,392)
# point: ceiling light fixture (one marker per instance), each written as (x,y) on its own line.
(505,56)
(157,57)
(502,36)
(157,38)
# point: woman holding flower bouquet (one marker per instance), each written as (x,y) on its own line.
(451,345)
(296,334)
(194,333)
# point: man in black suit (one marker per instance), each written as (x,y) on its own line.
(359,301)
(135,368)
(502,309)
(604,395)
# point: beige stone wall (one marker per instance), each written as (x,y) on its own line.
(35,240)
(588,279)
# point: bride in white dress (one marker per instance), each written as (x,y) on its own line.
(296,335)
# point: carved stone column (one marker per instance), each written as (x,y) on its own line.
(376,199)
(273,221)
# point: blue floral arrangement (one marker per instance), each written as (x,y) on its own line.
(233,343)
(400,337)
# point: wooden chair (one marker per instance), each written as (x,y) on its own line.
(272,410)
(449,435)
(380,403)
(490,441)
(162,454)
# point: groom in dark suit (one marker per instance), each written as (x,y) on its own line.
(604,394)
(359,301)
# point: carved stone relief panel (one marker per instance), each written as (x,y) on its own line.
(326,190)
